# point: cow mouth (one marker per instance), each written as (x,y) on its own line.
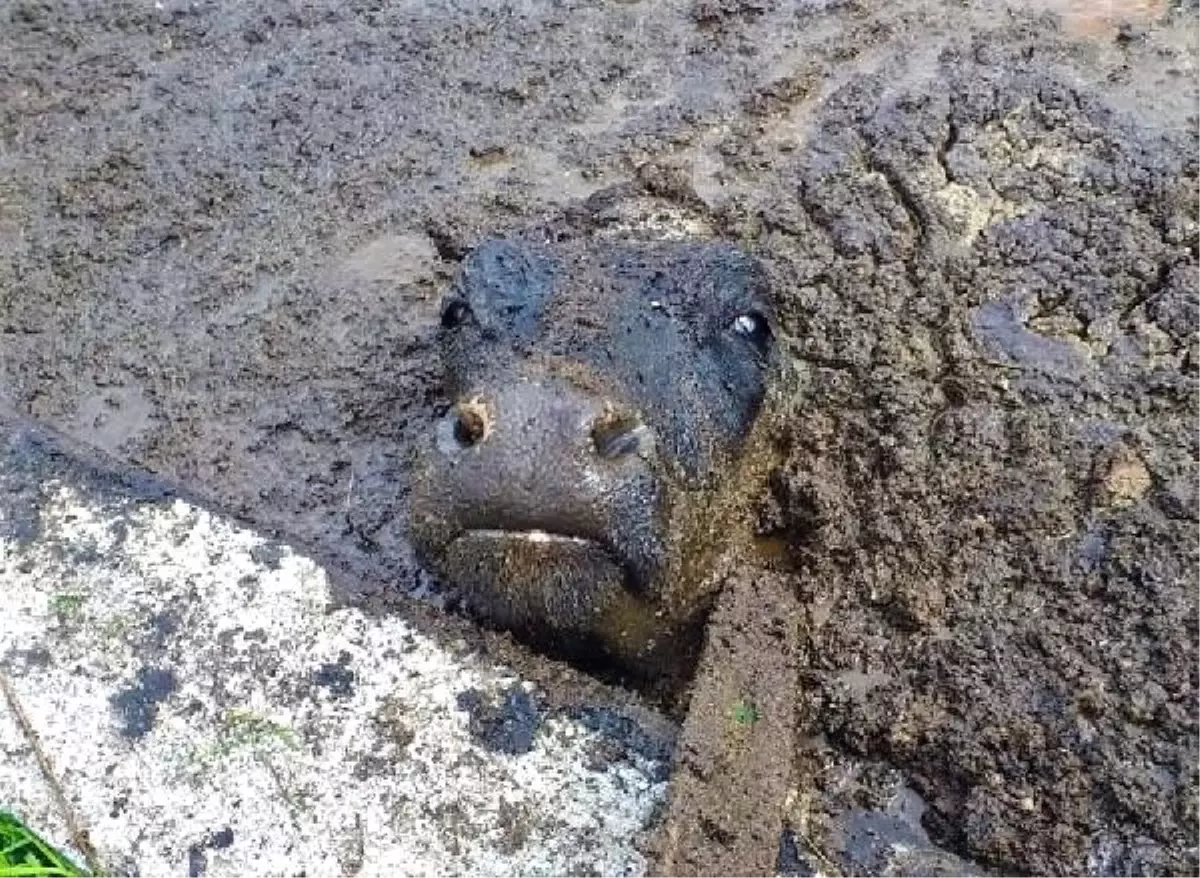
(575,596)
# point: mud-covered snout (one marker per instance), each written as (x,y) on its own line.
(539,502)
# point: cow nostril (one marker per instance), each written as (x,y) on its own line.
(617,434)
(470,423)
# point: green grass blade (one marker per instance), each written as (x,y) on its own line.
(23,853)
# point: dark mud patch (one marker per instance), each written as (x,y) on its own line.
(625,737)
(137,705)
(336,678)
(505,722)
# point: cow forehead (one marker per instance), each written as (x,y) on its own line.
(522,289)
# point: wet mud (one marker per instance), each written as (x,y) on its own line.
(227,232)
(990,484)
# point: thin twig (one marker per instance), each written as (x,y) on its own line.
(79,835)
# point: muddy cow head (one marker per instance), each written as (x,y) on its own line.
(603,393)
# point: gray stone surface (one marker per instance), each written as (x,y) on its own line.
(208,710)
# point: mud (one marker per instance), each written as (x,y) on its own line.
(228,230)
(990,492)
(729,784)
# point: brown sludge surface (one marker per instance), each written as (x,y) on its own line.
(227,229)
(730,782)
(990,485)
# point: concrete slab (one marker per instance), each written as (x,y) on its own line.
(209,710)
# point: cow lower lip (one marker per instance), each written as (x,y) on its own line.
(529,582)
(532,536)
(544,543)
(551,549)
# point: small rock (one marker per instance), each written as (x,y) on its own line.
(1123,479)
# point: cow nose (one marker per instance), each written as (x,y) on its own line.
(539,422)
(471,423)
(617,434)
